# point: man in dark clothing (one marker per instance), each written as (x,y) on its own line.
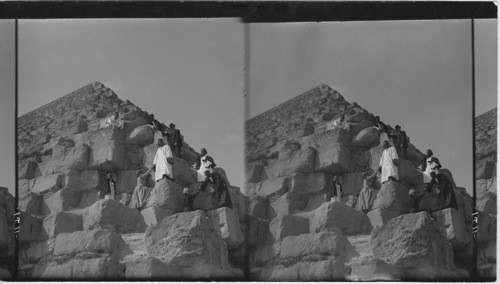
(176,140)
(216,181)
(423,164)
(203,153)
(444,189)
(154,123)
(400,141)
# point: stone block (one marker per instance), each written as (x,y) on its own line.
(368,138)
(80,180)
(288,203)
(27,171)
(107,156)
(453,225)
(393,196)
(485,169)
(336,216)
(167,195)
(486,201)
(381,216)
(288,225)
(110,214)
(257,232)
(62,200)
(89,198)
(204,201)
(154,215)
(269,188)
(142,135)
(97,241)
(302,161)
(353,183)
(79,269)
(194,243)
(126,181)
(367,268)
(487,252)
(28,201)
(264,254)
(45,185)
(30,228)
(258,206)
(332,244)
(254,175)
(312,183)
(150,268)
(35,252)
(486,227)
(75,157)
(323,270)
(61,222)
(408,175)
(227,224)
(183,172)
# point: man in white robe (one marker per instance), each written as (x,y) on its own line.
(161,165)
(388,163)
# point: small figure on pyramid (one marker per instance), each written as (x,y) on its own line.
(216,183)
(389,163)
(336,190)
(400,141)
(176,140)
(109,187)
(368,193)
(162,163)
(339,124)
(113,121)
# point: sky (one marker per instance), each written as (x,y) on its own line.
(7,109)
(189,72)
(413,73)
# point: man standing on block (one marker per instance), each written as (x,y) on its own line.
(162,164)
(389,162)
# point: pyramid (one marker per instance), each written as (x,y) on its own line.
(68,228)
(304,233)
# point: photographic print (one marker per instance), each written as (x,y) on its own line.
(131,149)
(359,144)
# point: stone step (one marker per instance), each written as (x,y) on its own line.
(133,247)
(362,244)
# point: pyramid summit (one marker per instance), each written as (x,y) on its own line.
(92,206)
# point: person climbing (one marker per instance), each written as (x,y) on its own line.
(400,141)
(109,187)
(388,163)
(336,190)
(444,189)
(215,181)
(112,121)
(141,192)
(176,140)
(200,156)
(367,194)
(162,164)
(339,124)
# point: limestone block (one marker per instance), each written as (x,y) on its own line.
(28,201)
(110,214)
(395,243)
(257,232)
(183,172)
(353,183)
(27,171)
(288,225)
(30,228)
(46,184)
(61,222)
(332,244)
(204,201)
(154,214)
(464,202)
(334,216)
(312,183)
(288,203)
(76,268)
(357,127)
(88,198)
(142,135)
(487,252)
(80,180)
(227,224)
(75,157)
(485,169)
(35,252)
(486,201)
(258,206)
(240,202)
(107,156)
(322,270)
(375,155)
(334,158)
(368,138)
(264,254)
(134,158)
(381,216)
(393,196)
(62,200)
(254,175)
(150,267)
(167,195)
(367,268)
(302,160)
(487,227)
(206,272)
(453,224)
(269,188)
(194,242)
(98,241)
(126,181)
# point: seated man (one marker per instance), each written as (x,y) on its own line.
(368,194)
(142,192)
(217,183)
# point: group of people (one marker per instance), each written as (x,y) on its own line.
(172,134)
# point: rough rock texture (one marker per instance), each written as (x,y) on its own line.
(334,215)
(7,241)
(68,229)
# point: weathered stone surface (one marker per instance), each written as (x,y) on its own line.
(92,268)
(27,171)
(46,184)
(142,135)
(183,172)
(98,241)
(412,241)
(62,200)
(126,181)
(258,206)
(30,228)
(107,155)
(486,252)
(288,225)
(368,137)
(324,270)
(69,158)
(80,180)
(61,222)
(154,214)
(193,244)
(28,201)
(204,201)
(485,169)
(487,227)
(35,252)
(311,183)
(254,174)
(257,232)
(393,196)
(408,175)
(298,161)
(110,214)
(167,195)
(333,216)
(288,203)
(486,201)
(264,254)
(453,224)
(333,154)
(353,183)
(150,267)
(227,225)
(381,216)
(269,188)
(332,244)
(367,268)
